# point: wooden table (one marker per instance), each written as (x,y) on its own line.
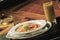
(35,8)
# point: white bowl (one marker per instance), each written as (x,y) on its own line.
(22,35)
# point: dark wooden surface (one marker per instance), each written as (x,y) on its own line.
(32,8)
(36,7)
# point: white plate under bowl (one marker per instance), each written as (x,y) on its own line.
(22,35)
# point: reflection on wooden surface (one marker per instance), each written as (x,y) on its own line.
(36,7)
(32,9)
(26,16)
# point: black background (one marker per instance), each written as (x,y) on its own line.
(9,3)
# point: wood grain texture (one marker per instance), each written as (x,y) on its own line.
(33,10)
(36,7)
(22,15)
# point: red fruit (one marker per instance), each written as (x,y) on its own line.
(31,25)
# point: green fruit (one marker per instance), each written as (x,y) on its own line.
(26,26)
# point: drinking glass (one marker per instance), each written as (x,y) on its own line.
(49,13)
